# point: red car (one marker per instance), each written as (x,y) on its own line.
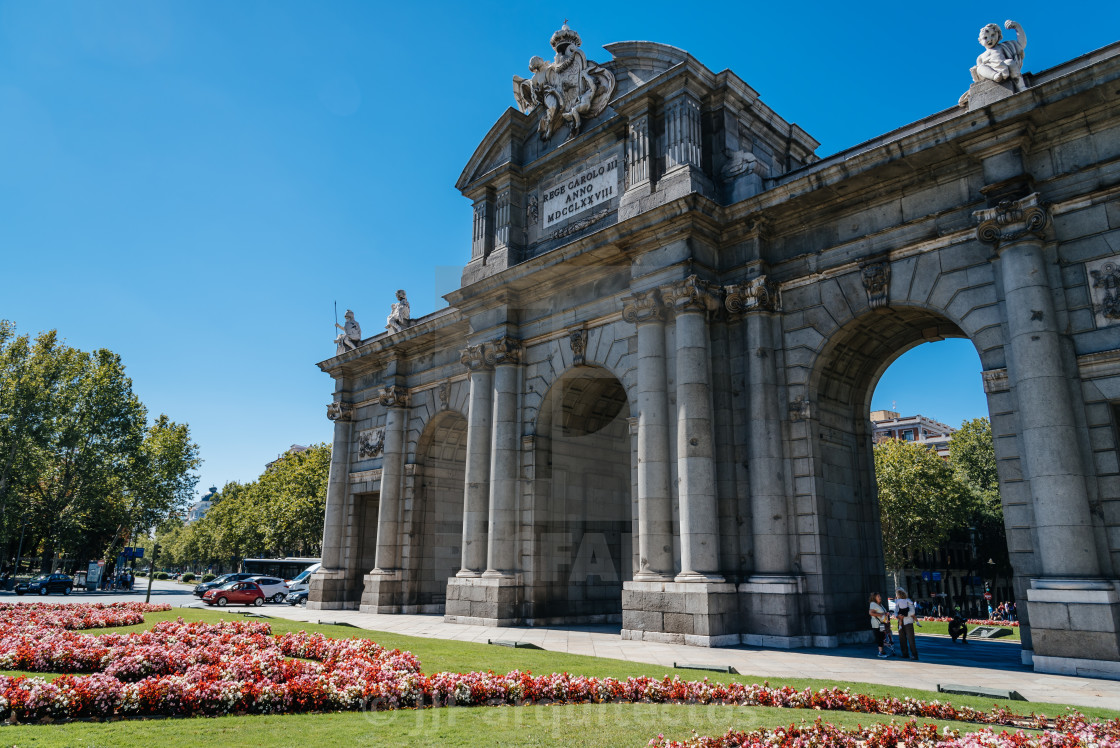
(245,593)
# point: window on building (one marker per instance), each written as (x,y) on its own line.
(908,435)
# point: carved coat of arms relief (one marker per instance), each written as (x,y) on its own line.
(569,89)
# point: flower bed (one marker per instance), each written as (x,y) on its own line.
(973,621)
(1068,732)
(179,668)
(33,616)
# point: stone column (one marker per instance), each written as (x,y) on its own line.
(387,560)
(327,588)
(1047,430)
(338,482)
(477,489)
(501,552)
(693,299)
(655,503)
(1073,613)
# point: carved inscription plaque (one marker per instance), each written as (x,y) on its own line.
(588,188)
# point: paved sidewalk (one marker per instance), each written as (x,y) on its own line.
(992,664)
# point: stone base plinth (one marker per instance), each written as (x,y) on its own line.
(331,589)
(382,592)
(985,92)
(770,614)
(1075,626)
(483,601)
(703,614)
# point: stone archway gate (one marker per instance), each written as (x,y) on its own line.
(747,295)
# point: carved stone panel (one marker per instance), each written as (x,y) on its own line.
(371,443)
(1104,290)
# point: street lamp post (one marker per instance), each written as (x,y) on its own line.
(19,552)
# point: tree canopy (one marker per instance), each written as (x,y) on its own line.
(279,514)
(80,467)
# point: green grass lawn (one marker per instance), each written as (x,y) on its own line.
(942,627)
(573,725)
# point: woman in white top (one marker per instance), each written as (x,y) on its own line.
(879,619)
(907,614)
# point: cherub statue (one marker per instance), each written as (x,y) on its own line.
(1001,60)
(400,316)
(351,335)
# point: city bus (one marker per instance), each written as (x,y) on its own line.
(286,568)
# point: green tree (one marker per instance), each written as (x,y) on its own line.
(973,457)
(163,473)
(295,500)
(920,500)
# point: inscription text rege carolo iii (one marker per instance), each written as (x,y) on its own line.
(582,192)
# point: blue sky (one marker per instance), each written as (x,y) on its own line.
(194,184)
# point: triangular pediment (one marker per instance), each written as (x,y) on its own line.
(498,148)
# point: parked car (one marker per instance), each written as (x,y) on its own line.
(274,589)
(213,584)
(296,598)
(45,584)
(243,592)
(303,581)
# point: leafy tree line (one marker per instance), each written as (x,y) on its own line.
(82,471)
(926,502)
(279,514)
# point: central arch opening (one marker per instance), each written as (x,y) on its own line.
(582,500)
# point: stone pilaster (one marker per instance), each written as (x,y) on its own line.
(639,158)
(1074,614)
(655,503)
(482,235)
(681,147)
(770,595)
(477,490)
(692,299)
(327,589)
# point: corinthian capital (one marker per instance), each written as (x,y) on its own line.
(477,357)
(507,350)
(691,295)
(394,397)
(340,411)
(1011,220)
(757,294)
(644,306)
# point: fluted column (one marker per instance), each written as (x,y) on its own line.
(477,480)
(655,503)
(682,131)
(387,559)
(693,299)
(758,300)
(638,151)
(1047,429)
(338,481)
(501,541)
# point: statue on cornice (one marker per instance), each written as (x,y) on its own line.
(400,316)
(569,89)
(1001,60)
(351,335)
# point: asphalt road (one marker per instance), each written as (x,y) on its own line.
(175,594)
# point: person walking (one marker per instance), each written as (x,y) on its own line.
(907,616)
(880,619)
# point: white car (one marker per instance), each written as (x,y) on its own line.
(275,590)
(303,580)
